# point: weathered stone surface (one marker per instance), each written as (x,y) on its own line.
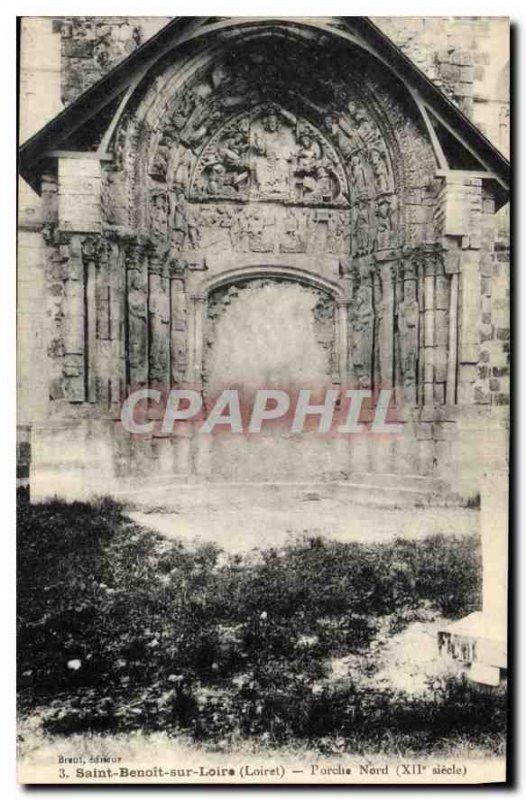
(267,171)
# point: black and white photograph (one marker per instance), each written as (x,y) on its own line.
(263,399)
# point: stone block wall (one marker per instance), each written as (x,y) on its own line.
(493,383)
(40,75)
(79,197)
(32,325)
(92,46)
(468,58)
(478,247)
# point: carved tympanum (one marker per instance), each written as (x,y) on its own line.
(269,154)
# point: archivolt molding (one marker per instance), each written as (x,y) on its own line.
(278,154)
(287,272)
(183,110)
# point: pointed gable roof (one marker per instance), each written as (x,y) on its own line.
(104,96)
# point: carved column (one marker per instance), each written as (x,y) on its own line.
(195,344)
(419,265)
(452,268)
(89,258)
(429,328)
(442,301)
(137,319)
(96,253)
(408,319)
(347,277)
(178,324)
(387,263)
(76,349)
(117,313)
(104,364)
(361,328)
(56,275)
(342,338)
(159,319)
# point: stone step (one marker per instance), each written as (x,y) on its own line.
(373,490)
(396,480)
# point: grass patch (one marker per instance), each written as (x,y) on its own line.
(121,630)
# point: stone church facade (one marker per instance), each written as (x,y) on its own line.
(231,178)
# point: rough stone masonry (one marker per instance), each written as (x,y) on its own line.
(273,198)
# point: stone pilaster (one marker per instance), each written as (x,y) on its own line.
(76,346)
(137,315)
(158,319)
(460,217)
(408,319)
(117,313)
(429,269)
(342,339)
(195,343)
(178,324)
(386,271)
(441,330)
(452,269)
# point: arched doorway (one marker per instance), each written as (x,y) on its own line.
(235,163)
(269,333)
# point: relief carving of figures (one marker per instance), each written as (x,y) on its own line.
(359,178)
(408,319)
(169,139)
(192,227)
(184,105)
(203,120)
(226,165)
(273,146)
(219,227)
(382,181)
(342,134)
(385,223)
(269,154)
(183,162)
(338,232)
(361,336)
(258,230)
(159,306)
(366,129)
(119,148)
(182,126)
(184,222)
(107,199)
(159,213)
(308,158)
(263,228)
(362,228)
(178,222)
(161,159)
(315,177)
(137,323)
(173,160)
(294,232)
(195,136)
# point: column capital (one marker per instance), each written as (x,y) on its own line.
(392,254)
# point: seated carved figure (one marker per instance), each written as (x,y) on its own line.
(226,165)
(273,145)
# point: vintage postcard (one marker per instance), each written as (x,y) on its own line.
(263,400)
